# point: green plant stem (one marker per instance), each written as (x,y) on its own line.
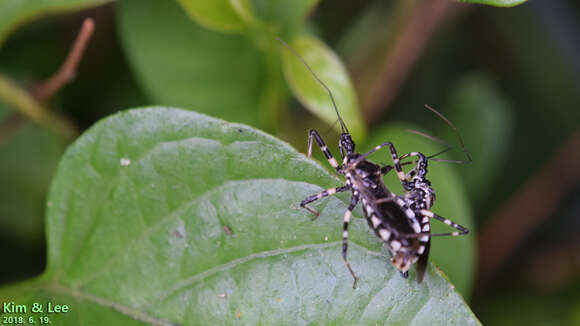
(23,102)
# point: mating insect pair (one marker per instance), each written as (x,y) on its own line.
(401,222)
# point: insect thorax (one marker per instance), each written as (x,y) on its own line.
(420,195)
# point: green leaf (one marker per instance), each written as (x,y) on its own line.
(182,64)
(218,15)
(15,13)
(496,3)
(136,218)
(28,161)
(477,98)
(455,255)
(328,67)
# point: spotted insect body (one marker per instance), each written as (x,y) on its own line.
(401,222)
(396,220)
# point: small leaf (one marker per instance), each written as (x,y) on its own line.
(454,255)
(496,3)
(136,234)
(328,67)
(15,13)
(218,15)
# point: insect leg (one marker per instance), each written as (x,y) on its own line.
(327,192)
(394,156)
(313,133)
(429,214)
(386,169)
(347,216)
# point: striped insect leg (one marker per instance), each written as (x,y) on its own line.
(386,169)
(347,217)
(322,194)
(429,214)
(425,246)
(394,156)
(331,160)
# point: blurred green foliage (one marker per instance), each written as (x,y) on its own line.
(506,78)
(476,97)
(241,69)
(175,70)
(27,164)
(13,14)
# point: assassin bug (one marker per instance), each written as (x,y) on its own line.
(401,222)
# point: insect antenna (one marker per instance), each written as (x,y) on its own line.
(439,141)
(342,125)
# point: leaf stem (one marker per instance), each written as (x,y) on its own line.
(30,103)
(67,71)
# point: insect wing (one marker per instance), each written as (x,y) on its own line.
(422,262)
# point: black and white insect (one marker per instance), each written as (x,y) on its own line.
(401,222)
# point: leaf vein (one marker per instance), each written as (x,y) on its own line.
(234,263)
